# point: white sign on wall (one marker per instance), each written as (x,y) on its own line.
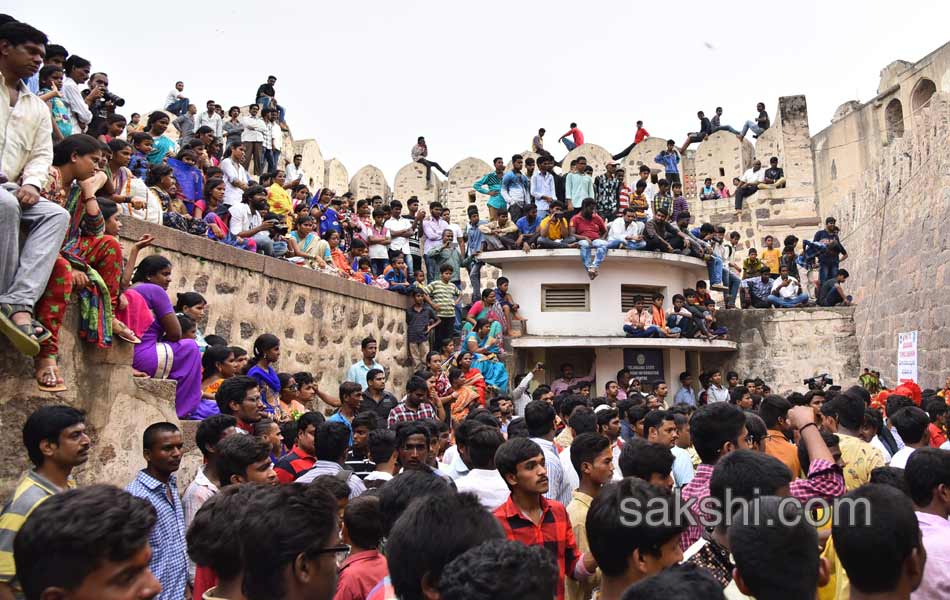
(907,356)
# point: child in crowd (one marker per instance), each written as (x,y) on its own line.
(789,257)
(751,266)
(261,369)
(142,145)
(702,292)
(378,239)
(680,204)
(639,202)
(188,327)
(193,305)
(709,192)
(680,319)
(697,312)
(660,320)
(722,190)
(771,255)
(445,296)
(712,323)
(397,275)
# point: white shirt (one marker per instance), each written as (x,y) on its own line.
(232,172)
(213,121)
(620,231)
(378,475)
(276,136)
(243,218)
(542,184)
(79,113)
(452,464)
(487,484)
(399,244)
(559,488)
(789,291)
(253,129)
(900,457)
(716,393)
(751,176)
(296,172)
(456,232)
(26,146)
(378,250)
(567,467)
(943,446)
(877,443)
(173,97)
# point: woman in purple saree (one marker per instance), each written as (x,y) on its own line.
(163,353)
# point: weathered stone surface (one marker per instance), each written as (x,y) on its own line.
(721,157)
(457,189)
(336,176)
(368,182)
(597,157)
(411,181)
(312,164)
(785,347)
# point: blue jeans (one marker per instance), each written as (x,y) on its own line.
(728,128)
(714,268)
(268,247)
(270,158)
(650,332)
(779,302)
(569,143)
(265,102)
(731,281)
(600,247)
(178,107)
(753,126)
(615,244)
(475,278)
(826,271)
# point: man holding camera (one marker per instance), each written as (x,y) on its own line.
(103,106)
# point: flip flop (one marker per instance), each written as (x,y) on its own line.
(50,371)
(21,336)
(41,337)
(125,333)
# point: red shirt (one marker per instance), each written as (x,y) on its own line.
(293,464)
(591,228)
(575,133)
(641,133)
(937,436)
(205,579)
(245,427)
(554,534)
(359,574)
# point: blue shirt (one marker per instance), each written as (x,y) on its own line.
(474,238)
(338,417)
(682,466)
(685,396)
(330,221)
(669,160)
(169,561)
(357,372)
(528,228)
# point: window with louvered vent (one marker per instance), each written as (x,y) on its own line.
(629,292)
(565,298)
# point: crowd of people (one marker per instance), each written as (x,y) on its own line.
(542,498)
(471,483)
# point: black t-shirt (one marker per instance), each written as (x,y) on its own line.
(763,120)
(774,174)
(704,126)
(266,89)
(826,289)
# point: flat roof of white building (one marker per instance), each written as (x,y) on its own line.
(696,345)
(509,258)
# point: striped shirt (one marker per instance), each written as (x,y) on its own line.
(169,562)
(31,490)
(444,294)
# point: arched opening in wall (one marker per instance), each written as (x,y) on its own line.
(894,119)
(923,91)
(834,170)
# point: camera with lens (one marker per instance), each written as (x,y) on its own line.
(819,382)
(110,97)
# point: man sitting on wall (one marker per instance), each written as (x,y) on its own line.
(832,291)
(774,176)
(756,290)
(749,183)
(786,292)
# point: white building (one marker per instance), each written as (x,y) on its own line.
(573,319)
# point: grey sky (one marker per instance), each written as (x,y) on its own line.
(365,78)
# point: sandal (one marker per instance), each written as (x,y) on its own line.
(49,380)
(23,337)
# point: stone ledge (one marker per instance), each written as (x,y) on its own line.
(205,249)
(540,341)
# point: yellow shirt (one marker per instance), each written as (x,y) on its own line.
(860,458)
(279,200)
(557,230)
(770,258)
(577,512)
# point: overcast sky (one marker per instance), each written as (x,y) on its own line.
(365,78)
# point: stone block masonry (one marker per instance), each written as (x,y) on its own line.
(786,346)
